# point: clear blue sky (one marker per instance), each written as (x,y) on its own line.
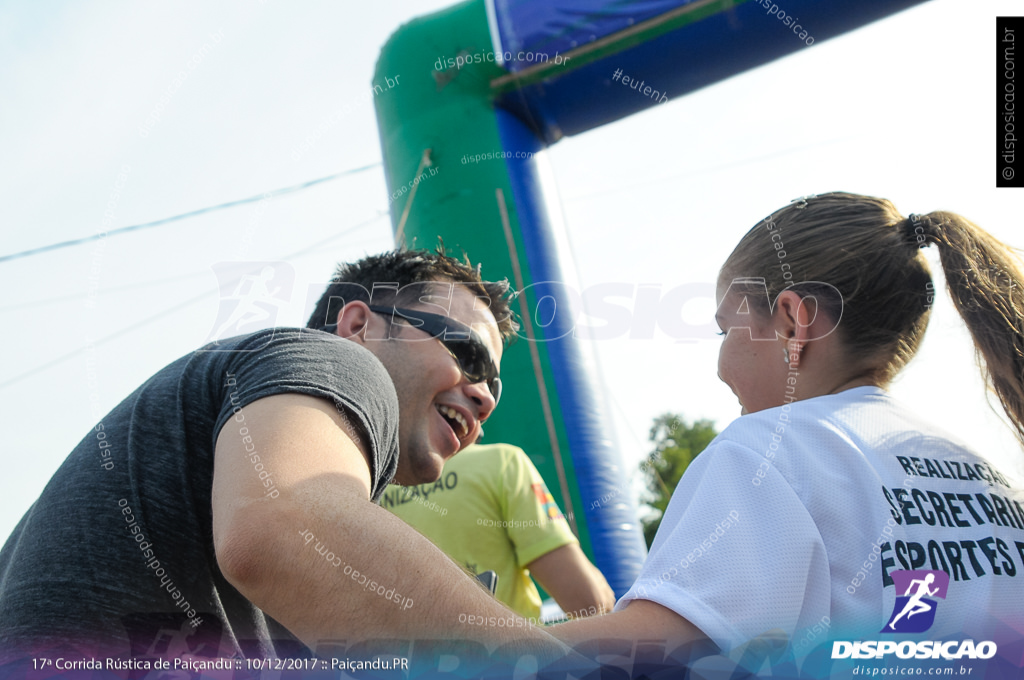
(903,109)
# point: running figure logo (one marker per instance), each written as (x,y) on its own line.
(915,611)
(251,296)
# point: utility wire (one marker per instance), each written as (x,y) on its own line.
(121,333)
(36,304)
(63,299)
(194,213)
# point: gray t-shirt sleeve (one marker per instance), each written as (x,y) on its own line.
(119,547)
(321,365)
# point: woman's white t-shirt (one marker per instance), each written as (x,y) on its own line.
(795,517)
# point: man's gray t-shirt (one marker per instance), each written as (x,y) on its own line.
(117,554)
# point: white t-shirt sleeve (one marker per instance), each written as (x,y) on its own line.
(736,554)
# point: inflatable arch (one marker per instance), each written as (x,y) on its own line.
(476,92)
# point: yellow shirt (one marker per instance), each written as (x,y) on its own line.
(489,510)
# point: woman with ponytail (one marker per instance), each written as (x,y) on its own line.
(827,500)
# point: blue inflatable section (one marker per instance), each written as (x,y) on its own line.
(716,47)
(617,540)
(561,26)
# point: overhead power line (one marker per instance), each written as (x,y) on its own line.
(194,213)
(163,313)
(137,285)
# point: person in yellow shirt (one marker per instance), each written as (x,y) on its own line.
(491,510)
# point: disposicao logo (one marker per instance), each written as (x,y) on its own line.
(914,612)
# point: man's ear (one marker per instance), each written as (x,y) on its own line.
(353,321)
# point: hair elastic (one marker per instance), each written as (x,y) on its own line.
(916,232)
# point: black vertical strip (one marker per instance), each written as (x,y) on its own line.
(1009,36)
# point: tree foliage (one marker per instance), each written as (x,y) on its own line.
(676,444)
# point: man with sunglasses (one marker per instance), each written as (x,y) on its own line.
(402,335)
(235,495)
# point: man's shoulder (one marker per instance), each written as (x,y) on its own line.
(316,352)
(269,338)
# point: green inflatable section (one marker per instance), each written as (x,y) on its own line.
(428,122)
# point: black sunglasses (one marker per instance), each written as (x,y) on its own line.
(462,343)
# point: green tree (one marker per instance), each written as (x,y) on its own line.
(676,444)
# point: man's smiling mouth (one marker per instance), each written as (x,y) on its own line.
(454,419)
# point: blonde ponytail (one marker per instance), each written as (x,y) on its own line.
(984,279)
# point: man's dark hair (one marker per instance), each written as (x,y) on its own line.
(399,268)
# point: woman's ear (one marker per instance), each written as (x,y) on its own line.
(794,318)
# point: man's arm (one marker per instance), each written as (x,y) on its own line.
(577,585)
(327,586)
